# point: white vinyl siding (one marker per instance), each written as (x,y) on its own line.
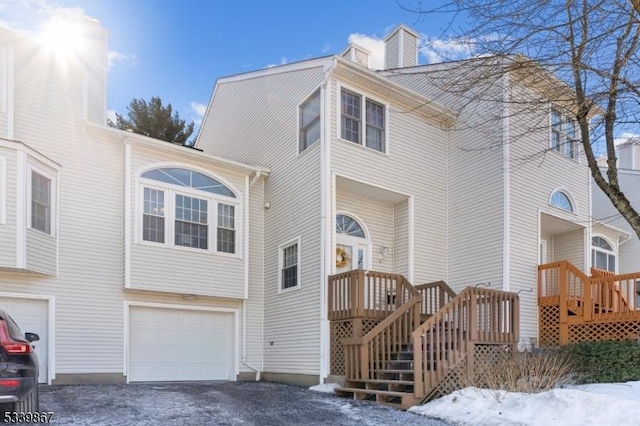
(532,183)
(410,50)
(210,273)
(570,246)
(473,194)
(8,226)
(415,143)
(392,52)
(603,210)
(293,193)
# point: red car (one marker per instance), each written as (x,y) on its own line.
(18,368)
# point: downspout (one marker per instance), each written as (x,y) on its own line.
(244,301)
(325,177)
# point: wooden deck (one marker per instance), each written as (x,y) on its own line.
(398,344)
(575,307)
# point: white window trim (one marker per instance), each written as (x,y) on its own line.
(299,110)
(3,191)
(170,192)
(281,248)
(572,200)
(563,134)
(614,250)
(52,175)
(363,136)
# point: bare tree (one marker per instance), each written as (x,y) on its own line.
(585,52)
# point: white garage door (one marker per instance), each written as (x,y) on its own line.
(179,345)
(32,315)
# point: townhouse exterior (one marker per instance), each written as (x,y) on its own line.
(619,252)
(118,248)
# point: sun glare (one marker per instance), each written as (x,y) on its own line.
(62,37)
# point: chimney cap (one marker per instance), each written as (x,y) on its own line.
(401,27)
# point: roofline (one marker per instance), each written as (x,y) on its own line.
(127,136)
(614,228)
(439,109)
(293,66)
(355,46)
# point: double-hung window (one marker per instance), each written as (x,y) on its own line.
(290,265)
(40,202)
(309,121)
(564,137)
(354,111)
(185,208)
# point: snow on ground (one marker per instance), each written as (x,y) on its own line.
(326,388)
(584,405)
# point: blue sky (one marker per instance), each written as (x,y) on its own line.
(177,49)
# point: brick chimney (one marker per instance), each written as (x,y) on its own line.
(401,48)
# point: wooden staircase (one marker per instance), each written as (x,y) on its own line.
(432,332)
(392,385)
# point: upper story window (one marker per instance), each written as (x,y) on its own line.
(563,134)
(561,200)
(309,121)
(362,121)
(186,205)
(41,190)
(602,255)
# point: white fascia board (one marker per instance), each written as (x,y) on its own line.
(170,148)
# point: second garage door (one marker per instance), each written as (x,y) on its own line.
(180,344)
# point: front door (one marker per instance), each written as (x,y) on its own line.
(352,245)
(351,253)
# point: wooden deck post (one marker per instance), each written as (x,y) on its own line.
(359,296)
(564,313)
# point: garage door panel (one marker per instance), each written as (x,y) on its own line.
(32,315)
(177,344)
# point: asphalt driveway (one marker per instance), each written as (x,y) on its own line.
(220,403)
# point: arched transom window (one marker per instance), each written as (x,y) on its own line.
(348,226)
(188,179)
(190,207)
(561,200)
(602,254)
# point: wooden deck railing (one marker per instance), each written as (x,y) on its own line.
(365,355)
(434,296)
(367,294)
(475,316)
(603,297)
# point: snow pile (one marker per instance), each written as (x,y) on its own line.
(587,405)
(326,388)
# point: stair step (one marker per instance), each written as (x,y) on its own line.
(355,391)
(383,381)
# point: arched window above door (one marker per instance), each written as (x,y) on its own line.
(349,226)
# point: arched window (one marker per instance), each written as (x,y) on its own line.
(189,207)
(561,200)
(602,254)
(188,179)
(348,226)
